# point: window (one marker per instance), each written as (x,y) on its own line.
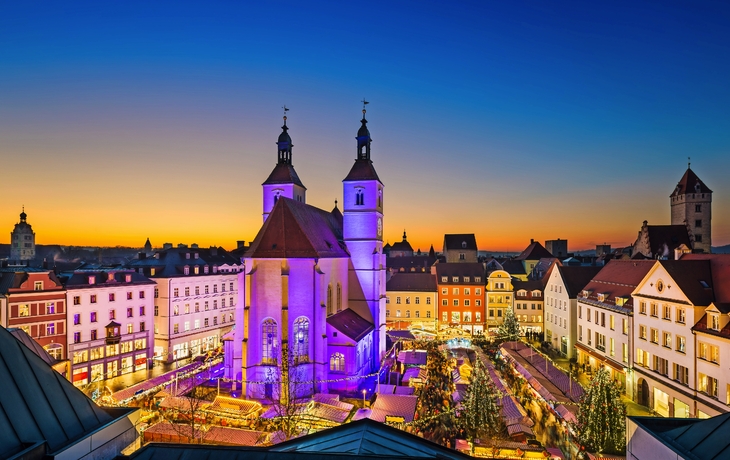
(141,294)
(642,308)
(580,333)
(478,302)
(681,344)
(680,315)
(444,279)
(175,328)
(444,317)
(112,297)
(642,332)
(625,326)
(455,317)
(38,286)
(418,300)
(580,312)
(444,291)
(428,313)
(337,362)
(455,291)
(196,324)
(588,314)
(301,339)
(77,337)
(667,313)
(612,347)
(698,208)
(698,238)
(24,310)
(610,322)
(215,321)
(667,340)
(408,313)
(157,291)
(456,302)
(92,317)
(661,365)
(141,326)
(600,342)
(77,300)
(654,335)
(428,300)
(655,309)
(714,322)
(129,295)
(51,329)
(418,313)
(270,341)
(444,302)
(408,300)
(625,352)
(455,279)
(130,312)
(186,326)
(589,337)
(681,374)
(397,314)
(603,319)
(92,298)
(467,317)
(702,351)
(708,385)
(77,319)
(467,291)
(187,292)
(339,297)
(141,311)
(176,292)
(130,328)
(187,308)
(478,291)
(466,302)
(698,223)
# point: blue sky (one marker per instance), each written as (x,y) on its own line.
(577,116)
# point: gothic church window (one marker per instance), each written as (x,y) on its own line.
(301,340)
(329,301)
(339,297)
(337,362)
(270,341)
(359,197)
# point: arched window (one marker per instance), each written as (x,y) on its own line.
(359,197)
(339,297)
(55,350)
(337,362)
(301,340)
(330,306)
(270,342)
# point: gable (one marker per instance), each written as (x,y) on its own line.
(649,286)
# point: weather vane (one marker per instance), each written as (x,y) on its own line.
(364,103)
(286,109)
(688,162)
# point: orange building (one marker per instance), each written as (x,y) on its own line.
(34,300)
(461,288)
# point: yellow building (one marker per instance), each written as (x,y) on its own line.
(499,297)
(411,301)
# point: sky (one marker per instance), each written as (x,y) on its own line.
(513,120)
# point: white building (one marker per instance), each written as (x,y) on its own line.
(605,314)
(682,336)
(563,284)
(195,298)
(109,318)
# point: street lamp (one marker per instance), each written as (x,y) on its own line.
(364,392)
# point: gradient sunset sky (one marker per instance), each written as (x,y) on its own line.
(511,120)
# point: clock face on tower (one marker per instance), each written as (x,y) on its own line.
(380,227)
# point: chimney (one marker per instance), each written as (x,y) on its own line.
(240,244)
(213,251)
(532,240)
(167,246)
(194,246)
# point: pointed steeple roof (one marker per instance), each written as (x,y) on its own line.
(690,183)
(284,172)
(363,168)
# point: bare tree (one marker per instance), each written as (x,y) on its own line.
(186,413)
(289,382)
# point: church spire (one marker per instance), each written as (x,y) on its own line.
(284,143)
(363,136)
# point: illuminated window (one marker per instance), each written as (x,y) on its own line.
(330,306)
(270,341)
(337,362)
(301,339)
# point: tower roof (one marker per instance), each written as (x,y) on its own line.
(284,173)
(690,183)
(362,170)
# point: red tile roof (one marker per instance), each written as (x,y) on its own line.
(362,170)
(297,230)
(618,278)
(720,266)
(688,184)
(535,251)
(284,174)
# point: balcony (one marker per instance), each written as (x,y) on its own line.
(113,333)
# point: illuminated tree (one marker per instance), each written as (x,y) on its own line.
(601,423)
(435,403)
(509,330)
(479,414)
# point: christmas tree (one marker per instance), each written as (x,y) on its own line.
(479,414)
(601,423)
(435,403)
(510,328)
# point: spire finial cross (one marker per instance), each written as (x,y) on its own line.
(364,103)
(688,162)
(286,109)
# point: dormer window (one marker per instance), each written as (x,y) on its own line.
(92,280)
(205,269)
(713,321)
(621,301)
(215,269)
(152,271)
(444,279)
(477,279)
(463,245)
(186,270)
(187,255)
(455,279)
(196,269)
(536,294)
(601,297)
(196,255)
(110,277)
(127,278)
(467,279)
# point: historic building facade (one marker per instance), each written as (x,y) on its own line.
(411,301)
(461,296)
(311,315)
(110,321)
(22,241)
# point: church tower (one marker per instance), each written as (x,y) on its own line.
(283,180)
(362,231)
(691,205)
(22,240)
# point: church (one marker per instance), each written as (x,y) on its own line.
(311,307)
